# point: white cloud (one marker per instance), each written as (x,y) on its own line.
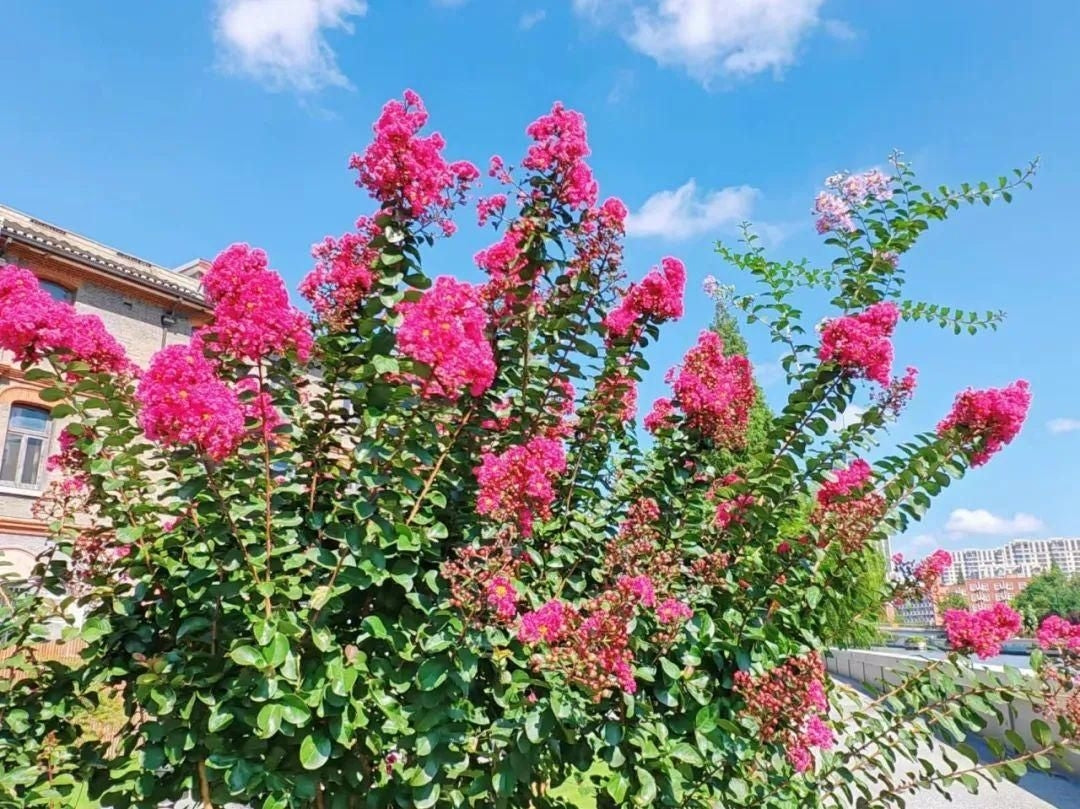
(981,521)
(711,38)
(920,541)
(530,19)
(1063,425)
(282,43)
(683,213)
(849,417)
(838,29)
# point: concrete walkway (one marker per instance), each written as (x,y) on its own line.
(1036,790)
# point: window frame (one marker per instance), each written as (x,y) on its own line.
(53,288)
(25,435)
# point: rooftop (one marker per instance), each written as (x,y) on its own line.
(28,230)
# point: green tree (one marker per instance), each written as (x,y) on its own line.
(1050,593)
(953,601)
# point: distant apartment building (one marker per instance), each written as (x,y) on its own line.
(1023,558)
(916,613)
(145,306)
(981,594)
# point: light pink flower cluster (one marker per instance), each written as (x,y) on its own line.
(615,397)
(928,571)
(344,273)
(894,398)
(730,509)
(252,316)
(407,172)
(1057,633)
(714,391)
(860,344)
(559,150)
(788,702)
(981,632)
(673,611)
(982,422)
(657,298)
(182,403)
(849,191)
(518,484)
(33,325)
(446,329)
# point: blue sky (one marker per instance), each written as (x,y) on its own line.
(173,130)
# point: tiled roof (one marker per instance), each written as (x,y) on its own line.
(26,229)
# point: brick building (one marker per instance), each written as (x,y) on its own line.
(983,593)
(143,305)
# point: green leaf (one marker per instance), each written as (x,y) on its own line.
(646,793)
(247,656)
(1040,731)
(314,750)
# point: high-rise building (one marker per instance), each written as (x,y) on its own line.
(1024,558)
(145,306)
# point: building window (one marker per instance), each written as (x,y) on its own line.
(25,447)
(58,293)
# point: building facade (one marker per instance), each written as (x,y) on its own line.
(1024,558)
(143,305)
(982,594)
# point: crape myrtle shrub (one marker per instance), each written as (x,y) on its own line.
(410,552)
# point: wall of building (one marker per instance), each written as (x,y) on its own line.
(134,316)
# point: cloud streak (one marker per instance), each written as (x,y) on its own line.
(1063,425)
(686,212)
(963,521)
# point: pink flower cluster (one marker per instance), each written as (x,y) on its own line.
(502,597)
(518,484)
(446,329)
(33,325)
(657,298)
(982,422)
(545,625)
(559,150)
(252,316)
(845,483)
(344,273)
(848,510)
(660,416)
(849,191)
(894,398)
(715,391)
(981,632)
(490,208)
(407,172)
(1057,633)
(589,647)
(860,343)
(639,589)
(182,403)
(506,264)
(928,571)
(788,702)
(615,397)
